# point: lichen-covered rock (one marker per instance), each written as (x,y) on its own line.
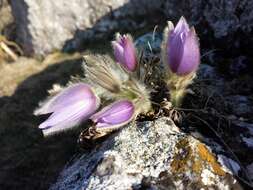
(151,154)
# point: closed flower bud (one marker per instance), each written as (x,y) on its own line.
(182,49)
(114,115)
(69,108)
(124,52)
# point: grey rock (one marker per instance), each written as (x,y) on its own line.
(149,43)
(240,105)
(221,16)
(43,26)
(250,171)
(248,141)
(207,72)
(232,166)
(239,66)
(151,154)
(246,133)
(244,125)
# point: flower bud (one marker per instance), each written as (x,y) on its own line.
(124,52)
(114,115)
(69,108)
(182,49)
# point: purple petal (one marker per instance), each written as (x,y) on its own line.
(175,51)
(129,54)
(118,52)
(67,97)
(183,49)
(182,26)
(67,118)
(124,52)
(70,108)
(118,113)
(191,55)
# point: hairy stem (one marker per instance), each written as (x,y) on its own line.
(176,96)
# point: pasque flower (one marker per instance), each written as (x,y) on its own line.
(124,52)
(181,56)
(182,49)
(69,108)
(114,115)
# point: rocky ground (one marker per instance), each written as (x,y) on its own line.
(210,148)
(196,153)
(150,155)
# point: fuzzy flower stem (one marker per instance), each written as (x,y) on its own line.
(178,87)
(176,96)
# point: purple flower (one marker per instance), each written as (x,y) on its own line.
(69,108)
(114,115)
(124,52)
(183,49)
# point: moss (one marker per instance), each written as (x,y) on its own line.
(207,156)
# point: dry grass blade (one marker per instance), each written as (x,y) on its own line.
(8,51)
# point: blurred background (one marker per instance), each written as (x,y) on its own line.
(42,43)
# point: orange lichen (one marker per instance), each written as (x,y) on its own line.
(207,156)
(186,160)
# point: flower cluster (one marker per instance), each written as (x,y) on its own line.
(111,86)
(114,92)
